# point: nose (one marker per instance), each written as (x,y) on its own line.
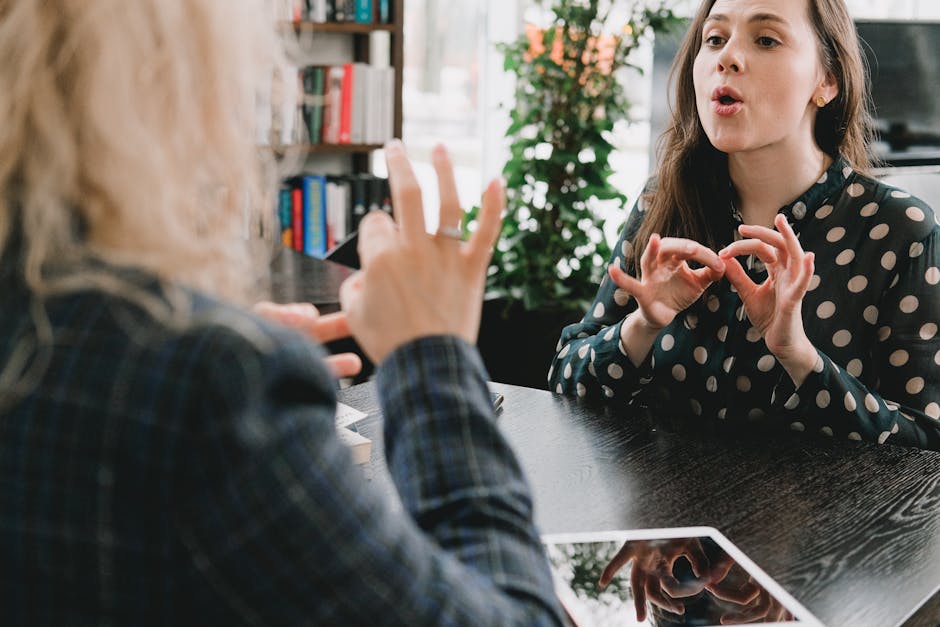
(730,59)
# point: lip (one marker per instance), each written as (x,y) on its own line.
(723,91)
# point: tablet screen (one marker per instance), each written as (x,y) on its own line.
(663,578)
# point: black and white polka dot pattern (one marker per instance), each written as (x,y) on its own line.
(872,311)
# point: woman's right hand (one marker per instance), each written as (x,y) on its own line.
(667,284)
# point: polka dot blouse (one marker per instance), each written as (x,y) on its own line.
(872,312)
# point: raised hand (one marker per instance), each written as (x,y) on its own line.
(414,284)
(307,319)
(775,306)
(667,284)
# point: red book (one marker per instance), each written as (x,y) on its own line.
(297,218)
(345,119)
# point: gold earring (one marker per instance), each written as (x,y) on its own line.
(821,101)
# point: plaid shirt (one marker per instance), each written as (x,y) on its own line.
(159,475)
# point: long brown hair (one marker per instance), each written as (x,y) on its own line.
(691,192)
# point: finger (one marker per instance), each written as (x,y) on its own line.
(686,249)
(344,364)
(376,233)
(678,589)
(623,280)
(349,292)
(794,250)
(764,252)
(739,278)
(289,314)
(406,193)
(623,556)
(330,327)
(489,220)
(450,213)
(706,276)
(743,595)
(697,558)
(649,255)
(769,236)
(638,587)
(657,596)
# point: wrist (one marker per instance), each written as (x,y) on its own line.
(799,362)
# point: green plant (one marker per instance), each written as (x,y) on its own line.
(568,97)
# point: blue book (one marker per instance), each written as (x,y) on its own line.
(364,11)
(384,16)
(314,191)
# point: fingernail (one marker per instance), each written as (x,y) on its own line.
(394,146)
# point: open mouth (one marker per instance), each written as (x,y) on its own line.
(727,100)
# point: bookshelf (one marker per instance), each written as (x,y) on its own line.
(325,51)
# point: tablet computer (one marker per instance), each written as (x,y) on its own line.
(665,577)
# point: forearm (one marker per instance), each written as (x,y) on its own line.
(455,472)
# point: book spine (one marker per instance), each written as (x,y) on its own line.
(364,11)
(297,218)
(315,236)
(345,124)
(384,13)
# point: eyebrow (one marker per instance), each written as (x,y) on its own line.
(757,17)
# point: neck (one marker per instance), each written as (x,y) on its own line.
(766,181)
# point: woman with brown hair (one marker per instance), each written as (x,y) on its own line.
(763,272)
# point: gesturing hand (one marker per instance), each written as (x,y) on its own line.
(413,284)
(307,319)
(775,306)
(667,284)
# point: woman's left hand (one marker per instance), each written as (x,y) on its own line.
(775,306)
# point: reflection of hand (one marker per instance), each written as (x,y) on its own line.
(753,601)
(651,575)
(775,306)
(413,284)
(667,284)
(305,318)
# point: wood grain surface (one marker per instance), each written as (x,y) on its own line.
(851,530)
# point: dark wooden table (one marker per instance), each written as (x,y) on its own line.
(296,277)
(851,530)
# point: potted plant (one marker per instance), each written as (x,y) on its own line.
(552,252)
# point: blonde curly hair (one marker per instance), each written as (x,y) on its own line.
(127,135)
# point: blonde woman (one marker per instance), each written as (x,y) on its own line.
(169,458)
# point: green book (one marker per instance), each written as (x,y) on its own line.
(313,102)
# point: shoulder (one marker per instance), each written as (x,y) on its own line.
(889,211)
(166,354)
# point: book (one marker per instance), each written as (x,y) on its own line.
(314,203)
(364,11)
(297,218)
(313,102)
(333,104)
(345,118)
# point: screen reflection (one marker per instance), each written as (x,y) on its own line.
(679,581)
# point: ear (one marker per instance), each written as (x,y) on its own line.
(828,88)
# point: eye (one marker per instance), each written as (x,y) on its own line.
(713,41)
(767,42)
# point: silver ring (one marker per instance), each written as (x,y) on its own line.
(453,232)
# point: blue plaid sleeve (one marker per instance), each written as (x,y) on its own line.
(284,528)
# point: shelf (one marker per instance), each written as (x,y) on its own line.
(349,28)
(319,149)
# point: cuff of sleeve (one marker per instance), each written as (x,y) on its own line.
(614,370)
(791,401)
